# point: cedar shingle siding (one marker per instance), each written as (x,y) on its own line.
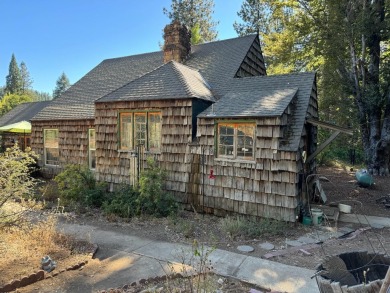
(221,82)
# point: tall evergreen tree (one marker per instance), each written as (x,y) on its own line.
(283,34)
(25,78)
(13,79)
(197,16)
(347,40)
(62,85)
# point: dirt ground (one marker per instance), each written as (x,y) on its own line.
(342,187)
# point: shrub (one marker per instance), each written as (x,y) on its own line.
(148,199)
(77,184)
(15,182)
(153,200)
(122,203)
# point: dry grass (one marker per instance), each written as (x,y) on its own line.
(22,248)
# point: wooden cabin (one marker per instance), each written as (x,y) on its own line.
(231,138)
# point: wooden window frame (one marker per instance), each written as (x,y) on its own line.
(133,131)
(45,147)
(235,125)
(90,149)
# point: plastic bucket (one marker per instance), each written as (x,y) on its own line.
(316,215)
(306,221)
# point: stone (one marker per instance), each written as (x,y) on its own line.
(294,243)
(266,246)
(306,240)
(245,248)
(346,230)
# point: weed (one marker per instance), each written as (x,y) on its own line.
(233,226)
(194,269)
(241,226)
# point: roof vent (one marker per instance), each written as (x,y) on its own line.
(177,42)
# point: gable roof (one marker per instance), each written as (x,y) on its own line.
(216,62)
(23,112)
(169,81)
(256,103)
(281,85)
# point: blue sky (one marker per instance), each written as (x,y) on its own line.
(73,36)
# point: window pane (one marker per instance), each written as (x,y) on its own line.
(245,135)
(92,139)
(92,147)
(125,130)
(154,131)
(51,138)
(92,159)
(140,129)
(51,146)
(226,140)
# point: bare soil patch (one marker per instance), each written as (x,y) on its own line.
(22,248)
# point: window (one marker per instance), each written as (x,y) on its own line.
(51,151)
(91,148)
(235,140)
(140,128)
(154,131)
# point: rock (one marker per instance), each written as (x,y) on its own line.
(245,248)
(307,240)
(294,243)
(267,246)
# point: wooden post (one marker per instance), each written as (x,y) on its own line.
(386,283)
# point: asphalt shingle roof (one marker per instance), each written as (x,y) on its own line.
(254,103)
(23,112)
(302,83)
(169,81)
(216,62)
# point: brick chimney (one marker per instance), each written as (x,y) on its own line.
(177,42)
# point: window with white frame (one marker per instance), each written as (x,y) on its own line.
(91,148)
(51,150)
(236,140)
(140,128)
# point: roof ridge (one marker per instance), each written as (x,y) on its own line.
(132,81)
(182,78)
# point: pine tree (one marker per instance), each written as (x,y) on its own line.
(197,16)
(62,85)
(13,79)
(25,78)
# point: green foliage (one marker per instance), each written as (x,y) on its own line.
(122,203)
(10,101)
(62,85)
(241,226)
(195,13)
(153,200)
(15,182)
(196,38)
(148,199)
(25,79)
(77,184)
(13,79)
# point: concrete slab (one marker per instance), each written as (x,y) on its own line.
(245,248)
(131,258)
(267,245)
(225,262)
(294,243)
(276,276)
(366,220)
(307,239)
